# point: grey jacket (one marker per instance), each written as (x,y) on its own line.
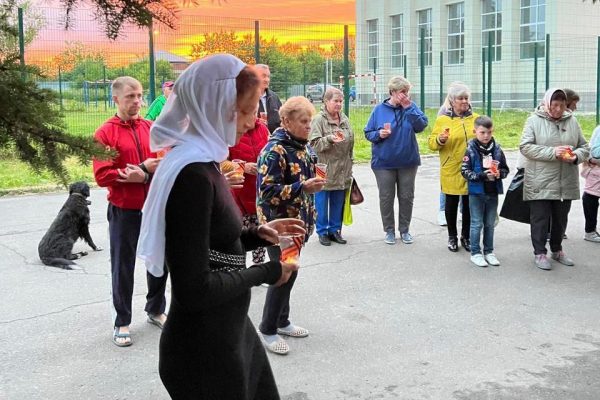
(546,177)
(337,156)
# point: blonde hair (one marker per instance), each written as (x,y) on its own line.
(456,89)
(295,106)
(398,83)
(119,84)
(330,92)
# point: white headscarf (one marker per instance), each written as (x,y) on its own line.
(548,98)
(199,120)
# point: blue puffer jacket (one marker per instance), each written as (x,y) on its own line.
(472,167)
(400,149)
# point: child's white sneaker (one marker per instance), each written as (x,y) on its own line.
(492,260)
(478,260)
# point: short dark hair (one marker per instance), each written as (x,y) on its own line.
(571,96)
(246,81)
(485,121)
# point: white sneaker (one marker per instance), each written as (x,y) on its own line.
(479,260)
(592,237)
(442,218)
(491,259)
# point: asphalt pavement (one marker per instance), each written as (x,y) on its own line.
(386,322)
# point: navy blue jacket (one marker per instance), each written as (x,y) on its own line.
(472,167)
(400,149)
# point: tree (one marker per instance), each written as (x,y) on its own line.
(31,125)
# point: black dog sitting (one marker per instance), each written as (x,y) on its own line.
(71,223)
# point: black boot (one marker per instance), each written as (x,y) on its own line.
(466,243)
(337,237)
(324,240)
(453,244)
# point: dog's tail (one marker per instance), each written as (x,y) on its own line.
(58,262)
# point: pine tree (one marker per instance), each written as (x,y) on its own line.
(31,125)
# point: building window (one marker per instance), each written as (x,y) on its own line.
(373,43)
(456,33)
(533,27)
(424,28)
(491,24)
(397,41)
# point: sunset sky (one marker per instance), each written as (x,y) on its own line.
(298,21)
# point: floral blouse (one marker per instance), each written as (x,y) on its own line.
(283,166)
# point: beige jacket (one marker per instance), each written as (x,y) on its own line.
(546,177)
(337,156)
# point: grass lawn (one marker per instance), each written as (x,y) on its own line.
(16,176)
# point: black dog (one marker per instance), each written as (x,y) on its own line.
(71,223)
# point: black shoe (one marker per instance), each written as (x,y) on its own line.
(466,243)
(324,240)
(337,237)
(453,244)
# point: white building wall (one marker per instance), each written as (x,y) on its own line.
(573,26)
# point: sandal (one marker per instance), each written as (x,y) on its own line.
(118,335)
(152,319)
(293,331)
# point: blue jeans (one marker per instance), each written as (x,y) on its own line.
(483,209)
(330,209)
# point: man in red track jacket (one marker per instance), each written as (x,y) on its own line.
(127,179)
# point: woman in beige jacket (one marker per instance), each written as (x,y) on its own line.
(553,145)
(333,140)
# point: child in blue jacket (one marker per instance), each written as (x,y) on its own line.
(484,167)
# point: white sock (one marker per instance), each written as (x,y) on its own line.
(270,338)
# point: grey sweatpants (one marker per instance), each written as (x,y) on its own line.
(390,182)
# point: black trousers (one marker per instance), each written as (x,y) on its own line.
(276,311)
(590,211)
(541,213)
(451,210)
(124,230)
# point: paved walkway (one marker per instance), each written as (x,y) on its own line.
(387,322)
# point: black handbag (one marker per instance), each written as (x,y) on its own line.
(514,208)
(356,196)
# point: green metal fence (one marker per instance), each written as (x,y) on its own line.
(501,70)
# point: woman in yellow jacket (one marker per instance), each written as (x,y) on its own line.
(452,130)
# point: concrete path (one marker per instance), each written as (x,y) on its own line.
(386,322)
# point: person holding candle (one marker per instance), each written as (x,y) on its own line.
(286,185)
(483,166)
(552,145)
(333,140)
(392,129)
(452,130)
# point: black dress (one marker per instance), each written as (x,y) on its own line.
(209,348)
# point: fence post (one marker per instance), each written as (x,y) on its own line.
(422,46)
(404,64)
(304,78)
(535,74)
(104,85)
(489,80)
(598,82)
(152,82)
(441,78)
(482,78)
(257,41)
(325,77)
(285,81)
(21,42)
(547,61)
(346,72)
(60,94)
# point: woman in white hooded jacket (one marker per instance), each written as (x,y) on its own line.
(552,144)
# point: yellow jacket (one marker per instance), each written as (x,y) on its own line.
(453,151)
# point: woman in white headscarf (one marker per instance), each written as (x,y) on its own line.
(191,225)
(552,145)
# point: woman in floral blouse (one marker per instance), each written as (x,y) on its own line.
(286,185)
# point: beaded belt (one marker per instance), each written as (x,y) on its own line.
(225,261)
